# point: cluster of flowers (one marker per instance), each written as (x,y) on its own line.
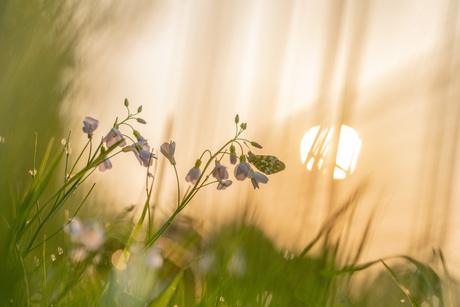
(140,148)
(145,156)
(242,170)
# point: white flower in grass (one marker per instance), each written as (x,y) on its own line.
(78,254)
(91,235)
(220,172)
(222,185)
(194,173)
(237,263)
(89,125)
(113,137)
(154,257)
(168,149)
(242,169)
(258,177)
(73,228)
(105,165)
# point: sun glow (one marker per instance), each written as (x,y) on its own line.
(316,143)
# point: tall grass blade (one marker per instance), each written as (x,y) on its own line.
(413,300)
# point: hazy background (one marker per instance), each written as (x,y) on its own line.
(389,69)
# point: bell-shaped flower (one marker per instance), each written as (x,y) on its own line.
(258,177)
(219,172)
(194,173)
(141,150)
(73,228)
(222,185)
(242,169)
(167,149)
(113,137)
(89,125)
(105,165)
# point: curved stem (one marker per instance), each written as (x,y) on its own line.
(178,186)
(207,150)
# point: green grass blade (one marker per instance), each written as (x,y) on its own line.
(413,300)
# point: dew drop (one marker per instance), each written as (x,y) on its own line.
(60,251)
(53,257)
(402,300)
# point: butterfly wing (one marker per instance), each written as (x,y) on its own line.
(266,164)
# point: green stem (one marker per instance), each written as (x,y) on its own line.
(190,195)
(178,186)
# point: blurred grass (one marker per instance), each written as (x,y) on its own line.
(34,54)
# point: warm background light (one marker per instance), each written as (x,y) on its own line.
(385,68)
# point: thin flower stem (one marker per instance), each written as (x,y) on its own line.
(207,150)
(90,150)
(209,183)
(178,186)
(57,231)
(188,197)
(79,156)
(127,136)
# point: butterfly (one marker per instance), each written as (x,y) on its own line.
(266,164)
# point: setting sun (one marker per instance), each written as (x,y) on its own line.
(316,143)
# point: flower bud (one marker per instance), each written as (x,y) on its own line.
(140,120)
(255,144)
(233,157)
(126,149)
(136,134)
(244,126)
(237,119)
(139,147)
(139,110)
(126,102)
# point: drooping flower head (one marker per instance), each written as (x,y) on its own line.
(258,177)
(194,173)
(113,137)
(105,164)
(141,151)
(89,125)
(220,172)
(168,149)
(222,185)
(242,169)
